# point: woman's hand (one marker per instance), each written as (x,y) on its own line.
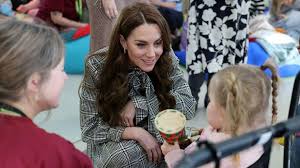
(146,140)
(110,8)
(149,144)
(166,147)
(128,114)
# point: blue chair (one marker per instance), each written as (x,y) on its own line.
(257,56)
(76,51)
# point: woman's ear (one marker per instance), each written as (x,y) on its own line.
(123,42)
(34,82)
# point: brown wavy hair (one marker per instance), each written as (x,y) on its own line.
(113,80)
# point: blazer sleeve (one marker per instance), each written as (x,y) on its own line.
(93,128)
(185,102)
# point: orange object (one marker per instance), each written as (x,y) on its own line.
(280,30)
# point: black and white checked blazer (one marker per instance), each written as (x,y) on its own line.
(97,132)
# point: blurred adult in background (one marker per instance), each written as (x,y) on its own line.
(61,14)
(217,37)
(285,14)
(172,12)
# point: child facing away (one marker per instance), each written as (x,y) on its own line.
(239,103)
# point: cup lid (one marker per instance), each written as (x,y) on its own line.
(170,121)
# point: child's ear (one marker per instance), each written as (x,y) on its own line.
(123,42)
(34,82)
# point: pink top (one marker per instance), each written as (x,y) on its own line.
(247,157)
(24,145)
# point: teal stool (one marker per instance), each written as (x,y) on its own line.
(76,52)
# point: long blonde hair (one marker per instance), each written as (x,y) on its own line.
(244,92)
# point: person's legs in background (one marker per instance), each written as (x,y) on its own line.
(206,99)
(195,82)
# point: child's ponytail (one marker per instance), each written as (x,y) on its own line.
(275,79)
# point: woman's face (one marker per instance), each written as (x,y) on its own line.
(144,46)
(51,88)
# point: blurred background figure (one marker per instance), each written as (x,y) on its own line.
(61,14)
(217,37)
(285,14)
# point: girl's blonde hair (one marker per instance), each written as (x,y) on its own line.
(244,92)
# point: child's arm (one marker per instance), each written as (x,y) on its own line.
(57,18)
(173,154)
(171,5)
(34,4)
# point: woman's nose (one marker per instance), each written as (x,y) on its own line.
(151,52)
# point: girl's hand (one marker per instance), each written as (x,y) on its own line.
(128,114)
(110,8)
(166,147)
(149,144)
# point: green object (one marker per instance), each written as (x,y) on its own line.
(78,6)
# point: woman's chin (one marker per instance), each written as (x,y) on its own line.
(148,68)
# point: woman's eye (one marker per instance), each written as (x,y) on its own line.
(140,45)
(158,43)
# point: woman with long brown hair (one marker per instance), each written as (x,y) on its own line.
(125,86)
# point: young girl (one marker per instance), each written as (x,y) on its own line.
(31,79)
(239,99)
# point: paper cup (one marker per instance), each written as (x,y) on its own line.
(171,125)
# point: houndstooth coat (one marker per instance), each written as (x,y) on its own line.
(104,143)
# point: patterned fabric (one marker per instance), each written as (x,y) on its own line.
(105,145)
(101,25)
(217,35)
